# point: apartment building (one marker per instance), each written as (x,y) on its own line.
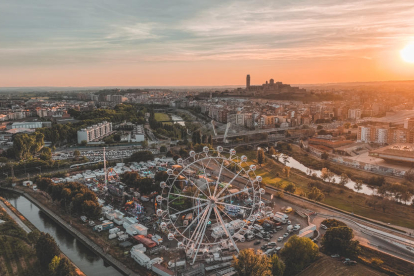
(95,132)
(354,114)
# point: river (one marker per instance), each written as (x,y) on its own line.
(89,262)
(293,163)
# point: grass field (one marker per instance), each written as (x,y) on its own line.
(162,117)
(327,266)
(335,196)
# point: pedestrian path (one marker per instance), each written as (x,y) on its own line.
(15,218)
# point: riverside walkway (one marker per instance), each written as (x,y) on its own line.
(15,218)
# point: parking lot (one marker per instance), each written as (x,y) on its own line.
(97,155)
(294,219)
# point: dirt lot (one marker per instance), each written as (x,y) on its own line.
(327,266)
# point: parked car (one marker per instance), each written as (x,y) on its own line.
(280,239)
(289,222)
(285,235)
(257,242)
(266,239)
(271,244)
(278,248)
(263,247)
(335,256)
(323,226)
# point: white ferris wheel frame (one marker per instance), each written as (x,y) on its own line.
(208,205)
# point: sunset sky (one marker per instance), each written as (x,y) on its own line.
(165,43)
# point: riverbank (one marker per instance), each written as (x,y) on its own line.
(372,207)
(46,207)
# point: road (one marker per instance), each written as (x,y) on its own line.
(15,218)
(370,234)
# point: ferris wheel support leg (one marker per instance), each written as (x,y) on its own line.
(225,229)
(197,230)
(200,239)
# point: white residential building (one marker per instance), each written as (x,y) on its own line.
(94,132)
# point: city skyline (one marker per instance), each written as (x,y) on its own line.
(204,44)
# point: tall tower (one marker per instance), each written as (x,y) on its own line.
(247,82)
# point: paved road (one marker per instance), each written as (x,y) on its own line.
(15,218)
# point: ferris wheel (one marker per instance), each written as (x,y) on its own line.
(209,200)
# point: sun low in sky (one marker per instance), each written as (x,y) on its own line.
(214,42)
(407,53)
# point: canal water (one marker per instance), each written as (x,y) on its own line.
(89,262)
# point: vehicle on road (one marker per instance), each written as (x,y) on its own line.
(350,262)
(278,248)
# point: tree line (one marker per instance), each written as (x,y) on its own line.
(75,198)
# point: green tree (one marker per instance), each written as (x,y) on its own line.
(91,209)
(291,188)
(141,156)
(65,268)
(33,237)
(84,143)
(183,153)
(330,223)
(277,267)
(261,157)
(117,137)
(54,265)
(46,249)
(248,263)
(160,176)
(286,171)
(169,154)
(358,186)
(163,148)
(298,253)
(316,194)
(46,154)
(76,154)
(338,240)
(344,179)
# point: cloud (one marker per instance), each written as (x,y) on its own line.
(133,31)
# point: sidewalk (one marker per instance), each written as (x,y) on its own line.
(15,218)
